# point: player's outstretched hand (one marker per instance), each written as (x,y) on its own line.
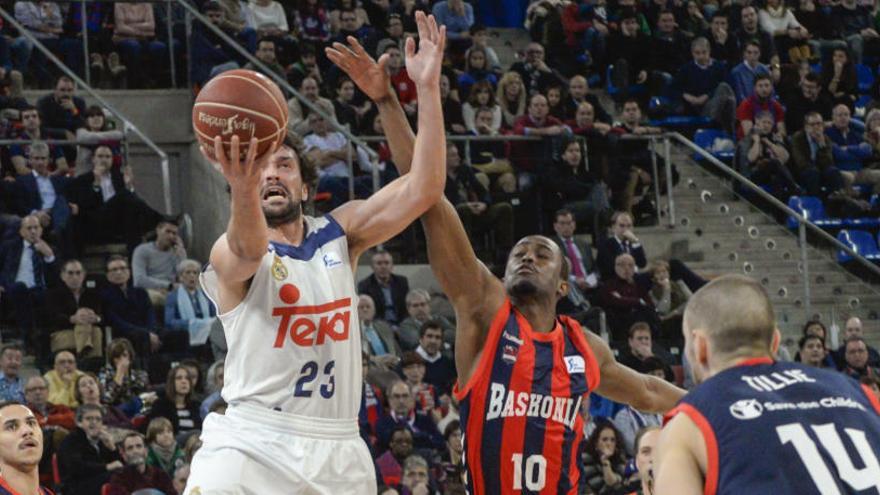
(238,172)
(370,76)
(424,67)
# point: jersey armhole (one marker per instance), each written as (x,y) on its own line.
(209,275)
(709,440)
(875,402)
(487,354)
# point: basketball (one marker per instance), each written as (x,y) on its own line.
(240,103)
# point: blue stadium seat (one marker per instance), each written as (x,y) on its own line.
(674,121)
(813,209)
(859,241)
(866,222)
(613,90)
(866,78)
(817,67)
(705,138)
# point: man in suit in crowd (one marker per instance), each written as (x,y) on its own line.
(622,240)
(41,194)
(27,268)
(88,454)
(73,315)
(377,338)
(582,281)
(387,289)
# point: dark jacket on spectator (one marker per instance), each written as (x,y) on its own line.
(611,248)
(61,305)
(399,287)
(27,197)
(797,107)
(130,313)
(635,50)
(768,47)
(697,81)
(569,108)
(464,187)
(52,114)
(801,157)
(668,52)
(129,480)
(165,408)
(424,431)
(10,257)
(83,466)
(851,21)
(536,81)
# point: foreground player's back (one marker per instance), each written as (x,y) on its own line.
(772,427)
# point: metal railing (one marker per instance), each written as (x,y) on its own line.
(127,125)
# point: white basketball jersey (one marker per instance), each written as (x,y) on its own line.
(294,341)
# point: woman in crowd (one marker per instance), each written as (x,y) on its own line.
(839,78)
(481,96)
(476,69)
(511,96)
(604,460)
(176,404)
(568,184)
(121,382)
(96,130)
(555,94)
(88,391)
(164,452)
(134,34)
(188,309)
(669,298)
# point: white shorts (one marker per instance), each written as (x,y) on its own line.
(253,450)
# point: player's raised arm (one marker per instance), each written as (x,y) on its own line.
(621,384)
(237,254)
(392,208)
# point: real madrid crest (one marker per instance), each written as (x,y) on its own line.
(279,271)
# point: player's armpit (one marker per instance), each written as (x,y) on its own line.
(621,384)
(233,273)
(680,460)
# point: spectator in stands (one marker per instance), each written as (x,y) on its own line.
(121,381)
(27,267)
(534,72)
(554,96)
(377,336)
(134,34)
(45,23)
(743,75)
(299,113)
(400,81)
(703,91)
(306,66)
(641,349)
(311,22)
(578,93)
(62,380)
(238,21)
(582,279)
(210,54)
(471,198)
(476,69)
(413,368)
(87,456)
(451,465)
(622,240)
(390,464)
(351,20)
(348,111)
(536,122)
(51,416)
(625,301)
(723,44)
(176,404)
(762,99)
(812,351)
(215,377)
(511,97)
(570,185)
(480,40)
(604,460)
(44,195)
(187,308)
(330,150)
(11,384)
(810,99)
(633,158)
(94,131)
(458,17)
(387,289)
(418,309)
(266,53)
(856,24)
(137,475)
(416,478)
(762,157)
(32,130)
(669,46)
(74,320)
(789,36)
(371,407)
(88,391)
(847,143)
(839,78)
(154,262)
(669,298)
(481,96)
(453,118)
(856,363)
(439,369)
(586,125)
(853,328)
(163,451)
(402,412)
(812,160)
(629,422)
(63,109)
(629,51)
(749,30)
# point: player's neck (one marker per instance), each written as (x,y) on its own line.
(541,318)
(22,482)
(726,362)
(291,233)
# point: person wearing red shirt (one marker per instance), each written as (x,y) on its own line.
(137,475)
(536,122)
(50,416)
(762,99)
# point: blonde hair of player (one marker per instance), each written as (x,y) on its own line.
(727,321)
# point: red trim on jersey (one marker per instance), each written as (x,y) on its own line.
(872,398)
(484,362)
(5,486)
(580,341)
(709,440)
(755,361)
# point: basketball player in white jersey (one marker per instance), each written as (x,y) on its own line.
(284,286)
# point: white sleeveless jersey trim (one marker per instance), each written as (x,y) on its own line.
(294,340)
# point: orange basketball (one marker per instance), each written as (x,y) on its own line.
(240,103)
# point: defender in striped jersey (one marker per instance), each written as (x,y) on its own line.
(21,448)
(522,371)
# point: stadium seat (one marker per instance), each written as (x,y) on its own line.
(706,138)
(674,121)
(813,209)
(614,91)
(866,78)
(860,241)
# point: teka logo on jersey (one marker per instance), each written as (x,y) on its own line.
(333,320)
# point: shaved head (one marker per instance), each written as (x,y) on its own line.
(735,316)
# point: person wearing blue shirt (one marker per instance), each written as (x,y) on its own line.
(742,77)
(701,87)
(11,384)
(457,16)
(187,309)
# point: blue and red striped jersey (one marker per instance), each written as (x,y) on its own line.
(520,410)
(5,489)
(775,427)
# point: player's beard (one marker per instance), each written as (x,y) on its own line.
(291,213)
(523,289)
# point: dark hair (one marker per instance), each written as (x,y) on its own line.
(27,108)
(116,257)
(199,386)
(76,393)
(628,13)
(810,323)
(68,262)
(477,27)
(592,442)
(762,77)
(638,326)
(812,77)
(631,100)
(644,431)
(117,347)
(719,14)
(94,110)
(451,427)
(812,114)
(864,380)
(266,39)
(211,6)
(653,363)
(170,389)
(806,338)
(10,347)
(64,77)
(562,212)
(85,408)
(475,88)
(428,325)
(854,338)
(751,42)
